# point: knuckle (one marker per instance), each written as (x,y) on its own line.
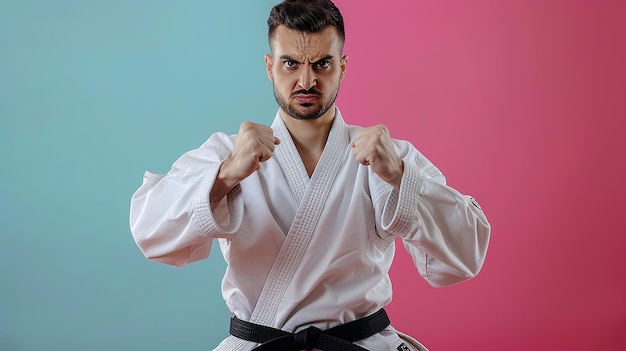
(246,125)
(382,130)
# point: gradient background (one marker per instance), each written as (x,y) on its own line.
(520,103)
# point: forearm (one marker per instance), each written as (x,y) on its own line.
(444,231)
(451,242)
(172,219)
(161,222)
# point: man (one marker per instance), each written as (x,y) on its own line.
(307,211)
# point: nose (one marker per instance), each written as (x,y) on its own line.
(307,78)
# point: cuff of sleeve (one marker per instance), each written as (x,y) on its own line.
(204,214)
(400,215)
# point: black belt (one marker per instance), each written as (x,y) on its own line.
(339,338)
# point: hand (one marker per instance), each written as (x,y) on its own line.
(373,147)
(255,144)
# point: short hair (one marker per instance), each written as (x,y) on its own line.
(309,16)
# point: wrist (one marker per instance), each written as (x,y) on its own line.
(224,182)
(397,180)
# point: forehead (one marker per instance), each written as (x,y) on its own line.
(291,42)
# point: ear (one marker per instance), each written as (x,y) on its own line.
(268,66)
(344,62)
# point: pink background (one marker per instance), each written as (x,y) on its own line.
(521,104)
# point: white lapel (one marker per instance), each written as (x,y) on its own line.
(311,198)
(289,160)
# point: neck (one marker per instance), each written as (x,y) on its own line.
(310,135)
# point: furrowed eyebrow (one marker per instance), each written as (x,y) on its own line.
(325,58)
(289,58)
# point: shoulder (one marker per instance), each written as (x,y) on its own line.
(217,147)
(219,138)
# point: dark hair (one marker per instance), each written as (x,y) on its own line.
(310,16)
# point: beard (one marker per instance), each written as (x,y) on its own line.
(310,111)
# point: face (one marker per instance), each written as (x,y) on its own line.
(306,69)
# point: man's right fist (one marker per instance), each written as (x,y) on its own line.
(254,144)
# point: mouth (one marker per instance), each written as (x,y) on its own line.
(306,98)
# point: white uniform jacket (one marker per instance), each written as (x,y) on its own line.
(310,251)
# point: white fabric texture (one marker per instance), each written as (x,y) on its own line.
(315,251)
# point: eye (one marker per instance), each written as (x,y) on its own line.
(323,64)
(290,64)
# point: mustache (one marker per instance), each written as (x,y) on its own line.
(306,92)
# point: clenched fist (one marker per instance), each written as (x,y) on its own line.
(372,146)
(255,144)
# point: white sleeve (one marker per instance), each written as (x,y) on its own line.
(446,232)
(170,215)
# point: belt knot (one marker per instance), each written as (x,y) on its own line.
(307,339)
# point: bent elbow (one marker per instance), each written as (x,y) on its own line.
(176,252)
(450,277)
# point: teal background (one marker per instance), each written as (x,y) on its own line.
(92,94)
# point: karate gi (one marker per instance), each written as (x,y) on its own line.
(310,251)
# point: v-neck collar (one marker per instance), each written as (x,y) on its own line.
(291,163)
